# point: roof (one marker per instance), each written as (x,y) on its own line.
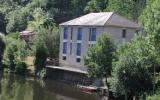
(101,19)
(27,32)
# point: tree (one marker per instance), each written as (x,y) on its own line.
(155,96)
(132,74)
(22,50)
(130,8)
(40,58)
(47,44)
(100,56)
(150,20)
(10,55)
(48,34)
(96,5)
(17,20)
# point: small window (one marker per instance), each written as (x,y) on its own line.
(71,33)
(79,34)
(124,33)
(78,59)
(92,34)
(65,33)
(137,31)
(64,58)
(64,47)
(78,49)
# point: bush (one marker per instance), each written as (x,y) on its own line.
(42,73)
(21,68)
(40,59)
(155,96)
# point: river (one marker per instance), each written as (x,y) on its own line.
(14,87)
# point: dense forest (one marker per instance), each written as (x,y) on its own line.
(18,15)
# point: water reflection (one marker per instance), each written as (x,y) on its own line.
(23,88)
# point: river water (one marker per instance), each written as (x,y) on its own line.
(13,87)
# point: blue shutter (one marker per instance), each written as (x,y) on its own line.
(65,33)
(79,35)
(78,49)
(65,48)
(94,33)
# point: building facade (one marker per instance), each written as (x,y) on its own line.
(77,35)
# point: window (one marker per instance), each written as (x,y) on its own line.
(137,31)
(78,59)
(70,48)
(124,33)
(65,48)
(71,33)
(78,49)
(92,34)
(64,58)
(65,33)
(79,34)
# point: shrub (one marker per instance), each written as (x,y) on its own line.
(40,59)
(20,68)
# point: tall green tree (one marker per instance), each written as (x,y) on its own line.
(132,74)
(47,45)
(151,21)
(10,54)
(100,56)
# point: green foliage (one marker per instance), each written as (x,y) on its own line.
(133,69)
(49,38)
(47,44)
(40,58)
(96,6)
(21,68)
(150,21)
(14,52)
(132,9)
(155,96)
(17,20)
(22,50)
(77,7)
(42,73)
(39,17)
(100,56)
(10,54)
(14,35)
